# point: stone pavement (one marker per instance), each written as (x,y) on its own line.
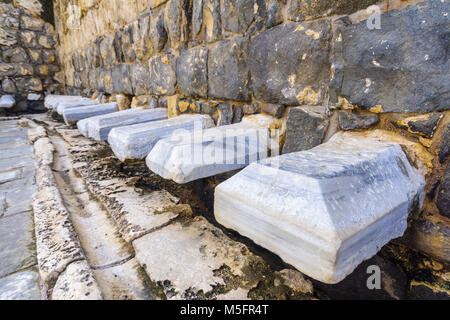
(18,274)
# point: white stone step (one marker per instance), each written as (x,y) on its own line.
(326,210)
(185,158)
(98,127)
(51,101)
(136,141)
(61,107)
(72,115)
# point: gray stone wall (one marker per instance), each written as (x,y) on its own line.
(28,61)
(316,66)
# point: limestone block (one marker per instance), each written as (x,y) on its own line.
(98,128)
(185,158)
(326,210)
(51,100)
(73,115)
(136,141)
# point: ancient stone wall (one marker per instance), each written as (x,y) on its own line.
(28,62)
(316,66)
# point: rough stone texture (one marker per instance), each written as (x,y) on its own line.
(275,110)
(224,114)
(20,286)
(73,115)
(311,223)
(228,71)
(444,148)
(196,253)
(192,73)
(52,100)
(213,151)
(281,75)
(136,141)
(423,125)
(299,10)
(158,32)
(237,15)
(61,107)
(443,198)
(77,282)
(428,291)
(352,121)
(306,128)
(162,75)
(212,19)
(397,68)
(98,127)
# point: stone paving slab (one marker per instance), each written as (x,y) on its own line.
(325,210)
(98,128)
(73,115)
(20,286)
(19,200)
(16,243)
(184,158)
(136,141)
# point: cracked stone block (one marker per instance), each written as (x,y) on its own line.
(77,282)
(185,158)
(326,210)
(98,128)
(72,115)
(7,102)
(136,141)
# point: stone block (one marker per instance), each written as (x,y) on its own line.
(98,128)
(73,115)
(136,141)
(397,68)
(281,75)
(192,72)
(7,102)
(351,121)
(162,75)
(205,153)
(326,210)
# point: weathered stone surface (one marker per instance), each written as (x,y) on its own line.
(73,115)
(251,108)
(33,7)
(211,20)
(15,55)
(424,125)
(8,86)
(237,15)
(136,141)
(9,21)
(281,75)
(192,72)
(126,42)
(77,282)
(224,114)
(228,71)
(20,286)
(275,110)
(185,158)
(306,128)
(121,78)
(8,37)
(196,252)
(108,56)
(162,75)
(299,10)
(351,121)
(420,290)
(299,209)
(269,13)
(29,84)
(158,32)
(429,234)
(142,43)
(31,23)
(443,198)
(7,102)
(98,127)
(387,70)
(444,148)
(17,243)
(197,16)
(174,20)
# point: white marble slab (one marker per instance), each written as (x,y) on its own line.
(325,210)
(72,115)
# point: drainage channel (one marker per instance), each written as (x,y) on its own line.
(117,272)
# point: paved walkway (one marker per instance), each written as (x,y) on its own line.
(18,264)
